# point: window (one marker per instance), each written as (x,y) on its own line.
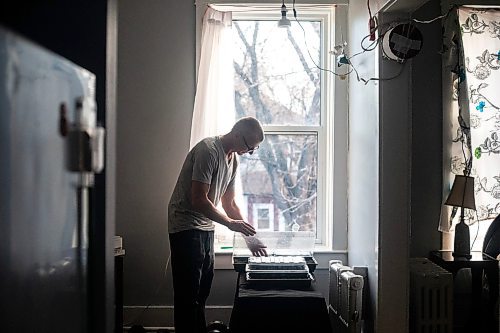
(263,216)
(288,182)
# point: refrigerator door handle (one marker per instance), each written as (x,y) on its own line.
(84,140)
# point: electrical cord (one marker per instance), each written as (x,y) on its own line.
(307,47)
(371,47)
(436,18)
(134,321)
(368,48)
(477,231)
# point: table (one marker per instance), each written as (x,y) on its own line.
(480,264)
(271,308)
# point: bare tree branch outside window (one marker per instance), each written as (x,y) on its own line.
(277,82)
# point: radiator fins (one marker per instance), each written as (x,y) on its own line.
(431,297)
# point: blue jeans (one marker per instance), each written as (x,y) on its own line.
(192,259)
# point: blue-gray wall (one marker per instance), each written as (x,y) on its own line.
(427,122)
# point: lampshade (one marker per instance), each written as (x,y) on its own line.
(462,193)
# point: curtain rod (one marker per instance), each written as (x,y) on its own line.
(266,6)
(246,8)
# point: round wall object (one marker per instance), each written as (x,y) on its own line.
(217,327)
(402,42)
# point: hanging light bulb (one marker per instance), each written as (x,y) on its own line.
(284,22)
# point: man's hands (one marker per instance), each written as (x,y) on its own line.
(241,226)
(255,246)
(233,211)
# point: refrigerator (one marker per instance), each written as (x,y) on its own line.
(50,150)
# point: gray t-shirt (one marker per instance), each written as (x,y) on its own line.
(206,163)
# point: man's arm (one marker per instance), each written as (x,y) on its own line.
(233,211)
(230,206)
(203,205)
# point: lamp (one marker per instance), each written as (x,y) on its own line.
(284,22)
(462,195)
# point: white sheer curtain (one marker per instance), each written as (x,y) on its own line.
(213,111)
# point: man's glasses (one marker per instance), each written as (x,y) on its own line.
(250,150)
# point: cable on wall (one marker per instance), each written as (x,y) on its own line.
(400,45)
(134,320)
(342,76)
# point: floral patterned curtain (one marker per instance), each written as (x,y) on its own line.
(472,115)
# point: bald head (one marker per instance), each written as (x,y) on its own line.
(250,128)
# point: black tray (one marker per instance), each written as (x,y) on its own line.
(302,280)
(239,263)
(276,267)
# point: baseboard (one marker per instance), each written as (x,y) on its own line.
(163,316)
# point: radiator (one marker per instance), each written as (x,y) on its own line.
(336,269)
(346,297)
(431,297)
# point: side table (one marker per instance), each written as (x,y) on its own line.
(480,264)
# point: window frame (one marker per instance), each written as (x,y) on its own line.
(255,213)
(332,203)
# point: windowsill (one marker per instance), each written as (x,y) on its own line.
(223,260)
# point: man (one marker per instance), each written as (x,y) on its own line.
(207,178)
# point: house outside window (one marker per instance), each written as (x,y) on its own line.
(263,217)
